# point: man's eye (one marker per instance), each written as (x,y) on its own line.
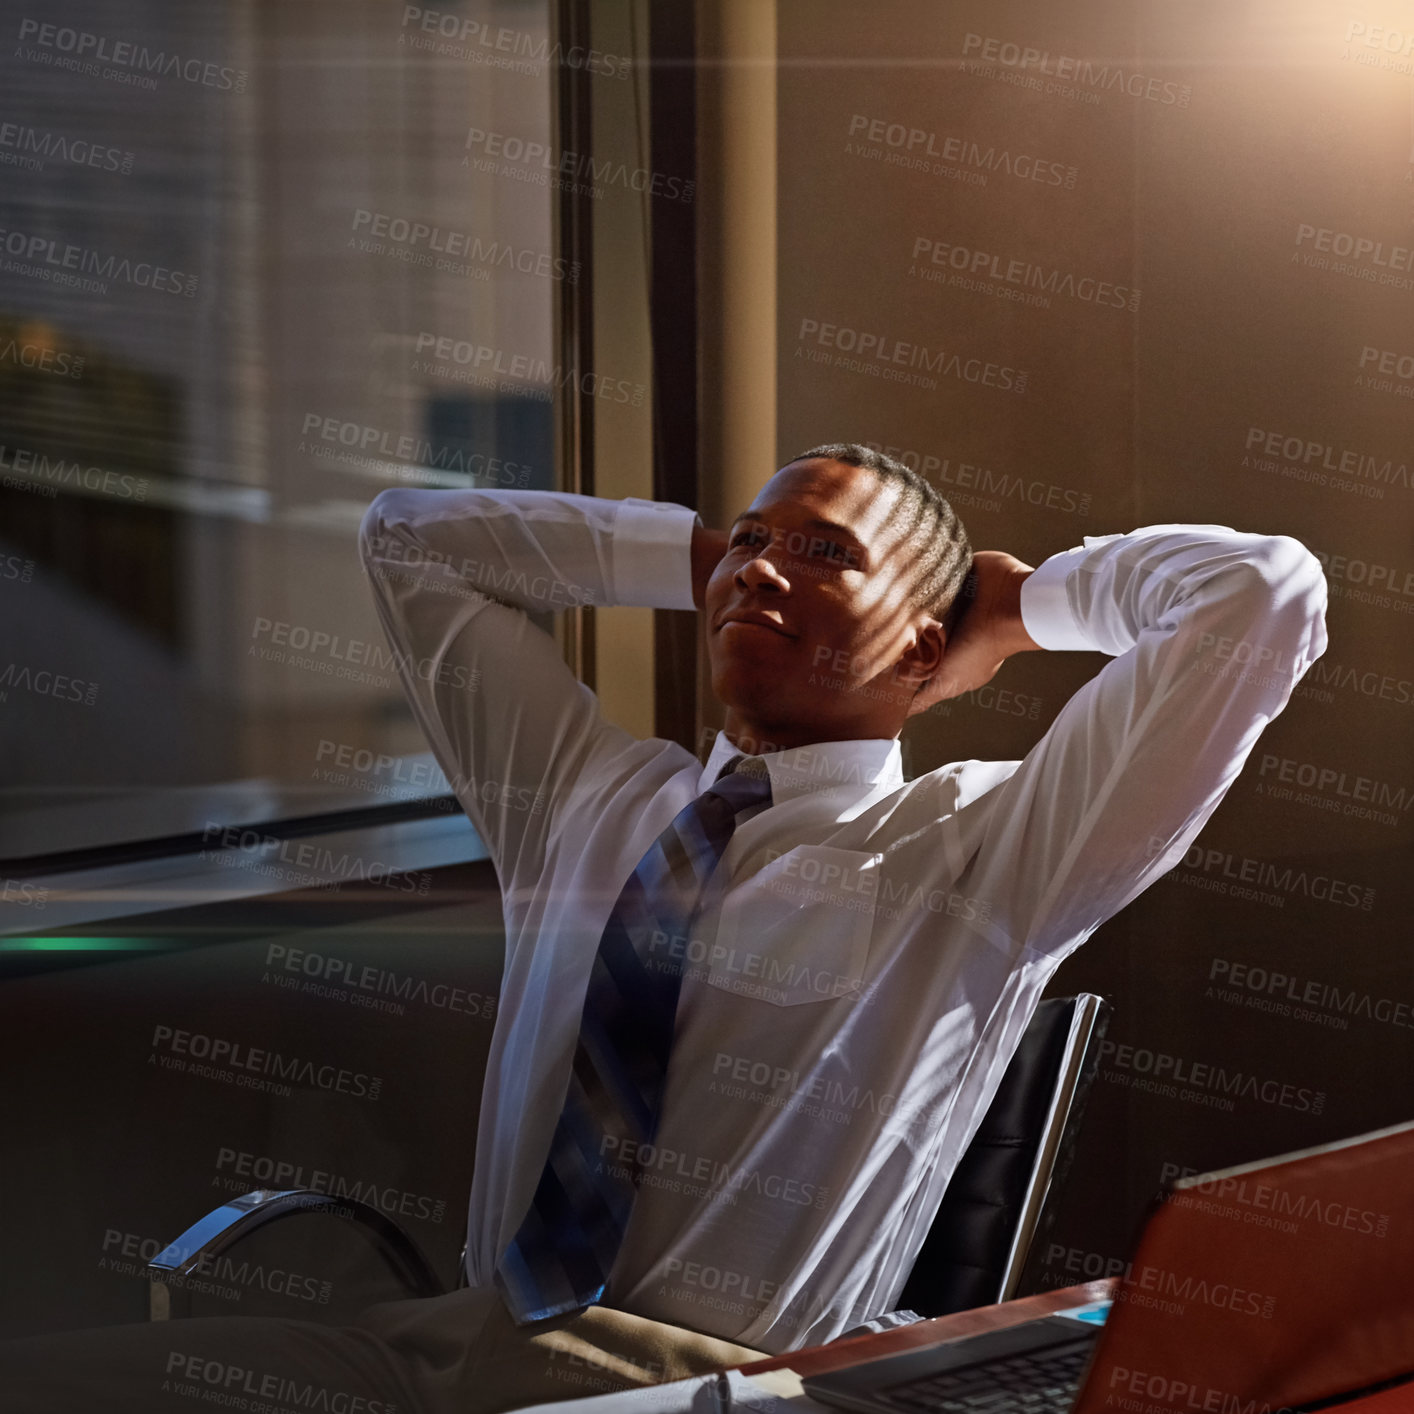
(747,537)
(832,550)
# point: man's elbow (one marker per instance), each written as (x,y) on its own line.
(373,529)
(1284,595)
(1295,578)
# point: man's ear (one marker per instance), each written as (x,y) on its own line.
(917,665)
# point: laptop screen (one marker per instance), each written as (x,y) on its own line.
(1269,1286)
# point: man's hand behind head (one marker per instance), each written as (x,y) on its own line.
(988,632)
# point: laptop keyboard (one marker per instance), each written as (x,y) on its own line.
(1044,1382)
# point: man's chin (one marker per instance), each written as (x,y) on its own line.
(761,699)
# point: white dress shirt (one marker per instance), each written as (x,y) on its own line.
(870,949)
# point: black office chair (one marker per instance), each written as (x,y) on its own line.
(1004,1193)
(1002,1196)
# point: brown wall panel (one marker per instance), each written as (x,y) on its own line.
(1096,266)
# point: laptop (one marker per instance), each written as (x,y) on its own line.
(1282,1285)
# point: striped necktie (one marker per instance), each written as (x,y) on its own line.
(559,1259)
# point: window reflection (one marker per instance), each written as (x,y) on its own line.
(234,240)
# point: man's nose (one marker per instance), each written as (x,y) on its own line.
(761,572)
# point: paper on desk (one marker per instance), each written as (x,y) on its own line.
(775,1392)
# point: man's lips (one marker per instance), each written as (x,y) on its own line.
(755,619)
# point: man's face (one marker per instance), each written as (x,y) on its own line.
(809,609)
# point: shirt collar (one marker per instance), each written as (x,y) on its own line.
(860,767)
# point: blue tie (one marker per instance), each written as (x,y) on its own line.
(559,1259)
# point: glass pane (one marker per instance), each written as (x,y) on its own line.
(256,263)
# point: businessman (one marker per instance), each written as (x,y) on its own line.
(752,1010)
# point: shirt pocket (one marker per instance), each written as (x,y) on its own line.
(798,929)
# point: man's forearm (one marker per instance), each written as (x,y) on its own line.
(1103,595)
(536,550)
(1012,636)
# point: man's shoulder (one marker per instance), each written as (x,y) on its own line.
(627,773)
(961,783)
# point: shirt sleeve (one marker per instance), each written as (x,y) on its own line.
(1209,629)
(454,577)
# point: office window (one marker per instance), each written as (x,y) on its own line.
(257,262)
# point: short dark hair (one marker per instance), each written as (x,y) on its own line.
(944,556)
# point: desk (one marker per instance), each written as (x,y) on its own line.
(779,1388)
(817,1359)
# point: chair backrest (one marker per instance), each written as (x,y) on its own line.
(1003,1193)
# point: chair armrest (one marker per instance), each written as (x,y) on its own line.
(208,1238)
